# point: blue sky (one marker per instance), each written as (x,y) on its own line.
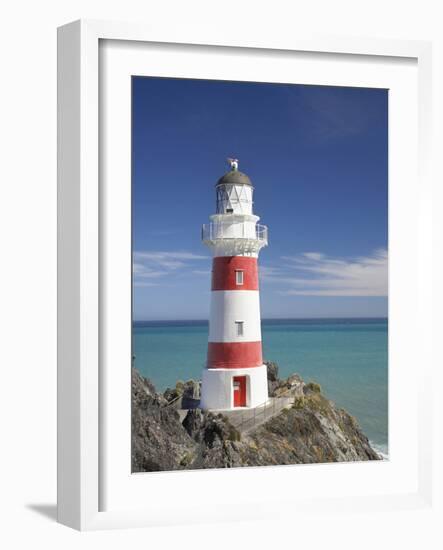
(318,159)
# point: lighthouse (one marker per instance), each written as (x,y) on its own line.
(234,375)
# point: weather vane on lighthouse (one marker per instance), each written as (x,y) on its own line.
(233,163)
(235,375)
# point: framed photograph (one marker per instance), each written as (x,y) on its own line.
(243,276)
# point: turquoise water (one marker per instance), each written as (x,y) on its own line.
(347,357)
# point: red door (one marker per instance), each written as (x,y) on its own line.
(239,384)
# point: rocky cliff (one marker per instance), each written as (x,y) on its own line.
(311,430)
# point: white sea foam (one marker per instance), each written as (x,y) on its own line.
(382,450)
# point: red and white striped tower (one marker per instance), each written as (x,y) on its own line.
(235,375)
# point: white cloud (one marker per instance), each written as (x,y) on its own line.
(201,272)
(143,284)
(154,264)
(313,255)
(167,260)
(308,274)
(315,274)
(269,272)
(140,270)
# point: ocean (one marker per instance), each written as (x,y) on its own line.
(347,357)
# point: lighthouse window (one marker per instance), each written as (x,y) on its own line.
(240,326)
(239,277)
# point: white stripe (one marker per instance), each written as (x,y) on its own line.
(229,306)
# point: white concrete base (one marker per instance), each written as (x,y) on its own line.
(217,388)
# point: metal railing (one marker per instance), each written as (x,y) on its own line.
(249,418)
(228,230)
(173,402)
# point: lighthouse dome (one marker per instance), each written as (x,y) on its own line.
(234,191)
(234,177)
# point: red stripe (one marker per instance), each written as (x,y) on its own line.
(223,273)
(234,355)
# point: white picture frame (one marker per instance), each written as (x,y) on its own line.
(82,401)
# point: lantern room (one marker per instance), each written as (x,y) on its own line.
(234,192)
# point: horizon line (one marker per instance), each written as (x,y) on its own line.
(384,317)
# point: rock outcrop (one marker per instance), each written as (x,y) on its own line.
(159,441)
(311,430)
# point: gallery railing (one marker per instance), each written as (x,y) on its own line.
(227,230)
